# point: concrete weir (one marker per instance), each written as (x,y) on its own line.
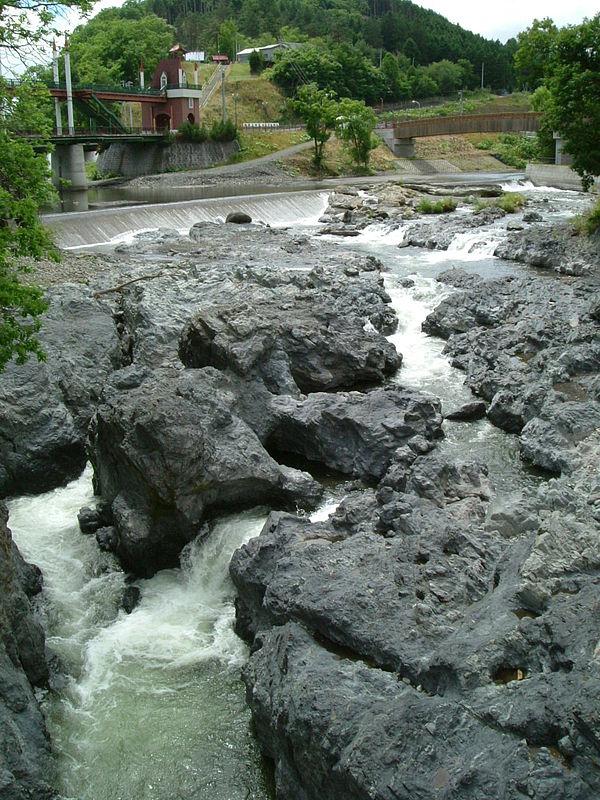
(68,167)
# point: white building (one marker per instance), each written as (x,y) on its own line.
(267,52)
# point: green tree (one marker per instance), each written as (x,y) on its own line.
(109,48)
(24,186)
(533,50)
(574,84)
(391,76)
(447,76)
(256,62)
(354,125)
(227,38)
(318,108)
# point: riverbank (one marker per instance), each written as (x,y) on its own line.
(435,634)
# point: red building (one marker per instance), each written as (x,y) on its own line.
(179,101)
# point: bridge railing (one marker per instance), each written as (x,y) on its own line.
(97,88)
(90,133)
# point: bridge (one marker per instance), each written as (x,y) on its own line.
(402,141)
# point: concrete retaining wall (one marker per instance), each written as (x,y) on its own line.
(561,177)
(133,160)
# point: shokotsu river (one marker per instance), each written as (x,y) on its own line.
(152,706)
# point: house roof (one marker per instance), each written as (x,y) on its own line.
(282,45)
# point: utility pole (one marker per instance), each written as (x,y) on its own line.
(70,120)
(482,66)
(57,113)
(223,94)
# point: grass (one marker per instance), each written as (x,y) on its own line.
(477,102)
(257,143)
(248,98)
(588,223)
(337,162)
(510,202)
(444,206)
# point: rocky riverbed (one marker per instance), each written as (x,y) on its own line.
(429,639)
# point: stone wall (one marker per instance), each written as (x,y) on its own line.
(132,160)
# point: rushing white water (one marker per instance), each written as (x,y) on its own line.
(153,707)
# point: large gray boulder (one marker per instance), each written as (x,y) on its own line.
(168,449)
(348,731)
(353,433)
(45,408)
(530,347)
(317,331)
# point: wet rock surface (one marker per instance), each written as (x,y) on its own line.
(26,767)
(46,407)
(538,370)
(430,638)
(421,631)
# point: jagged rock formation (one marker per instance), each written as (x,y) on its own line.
(25,761)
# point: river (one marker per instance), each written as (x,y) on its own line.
(151,705)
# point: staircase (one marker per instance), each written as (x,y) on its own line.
(210,87)
(100,113)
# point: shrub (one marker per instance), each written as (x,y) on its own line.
(223,131)
(190,132)
(443,206)
(256,62)
(513,150)
(588,223)
(509,202)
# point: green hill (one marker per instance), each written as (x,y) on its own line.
(372,26)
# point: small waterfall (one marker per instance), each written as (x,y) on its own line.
(110,226)
(474,245)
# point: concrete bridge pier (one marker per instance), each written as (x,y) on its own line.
(68,166)
(404,148)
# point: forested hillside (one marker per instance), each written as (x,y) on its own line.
(395,26)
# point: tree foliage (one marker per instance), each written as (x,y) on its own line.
(354,125)
(533,51)
(110,47)
(399,26)
(573,79)
(24,187)
(24,183)
(318,108)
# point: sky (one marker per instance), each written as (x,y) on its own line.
(506,19)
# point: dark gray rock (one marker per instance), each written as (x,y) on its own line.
(45,408)
(26,766)
(306,332)
(171,450)
(467,412)
(238,218)
(90,519)
(554,247)
(353,433)
(530,348)
(131,598)
(348,731)
(454,617)
(108,539)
